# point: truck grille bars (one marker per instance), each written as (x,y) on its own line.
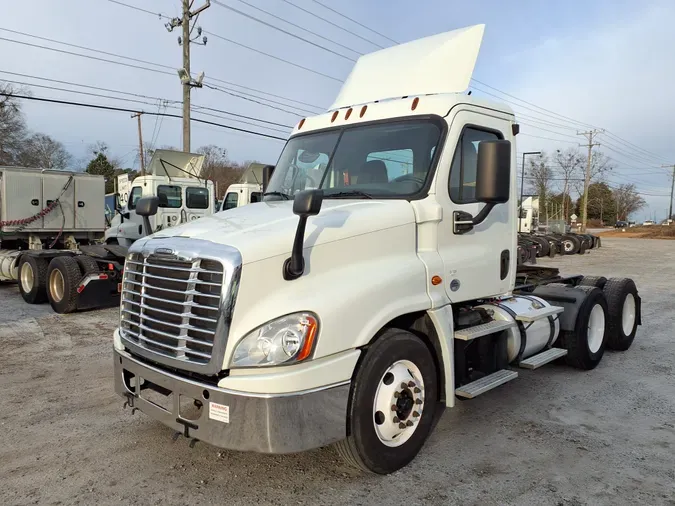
(173,310)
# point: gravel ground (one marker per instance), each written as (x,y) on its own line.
(554,436)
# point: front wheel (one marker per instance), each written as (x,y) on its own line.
(392,404)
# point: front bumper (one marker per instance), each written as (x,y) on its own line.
(277,423)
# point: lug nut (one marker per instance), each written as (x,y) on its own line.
(409,423)
(411,384)
(397,394)
(401,425)
(393,407)
(417,390)
(396,420)
(418,401)
(416,414)
(404,385)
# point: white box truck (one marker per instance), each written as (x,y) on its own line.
(358,301)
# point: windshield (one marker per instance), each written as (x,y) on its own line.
(386,160)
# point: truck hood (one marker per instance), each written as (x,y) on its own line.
(266,229)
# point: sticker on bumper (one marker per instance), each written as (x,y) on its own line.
(219,412)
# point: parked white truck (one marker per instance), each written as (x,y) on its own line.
(357,301)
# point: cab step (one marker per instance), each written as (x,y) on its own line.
(483,329)
(543,358)
(539,314)
(486,383)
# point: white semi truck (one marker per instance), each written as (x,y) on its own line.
(358,301)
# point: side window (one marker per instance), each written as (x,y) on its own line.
(136,193)
(197,198)
(231,200)
(399,162)
(463,171)
(169,196)
(256,197)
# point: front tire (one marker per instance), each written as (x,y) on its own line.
(392,404)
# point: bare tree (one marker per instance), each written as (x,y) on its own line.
(12,126)
(539,176)
(628,201)
(219,169)
(41,151)
(601,166)
(569,161)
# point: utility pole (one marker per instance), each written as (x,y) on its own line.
(672,187)
(587,181)
(184,73)
(141,151)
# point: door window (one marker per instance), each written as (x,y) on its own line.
(197,198)
(169,196)
(256,197)
(231,200)
(464,164)
(136,193)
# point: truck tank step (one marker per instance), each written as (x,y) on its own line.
(539,314)
(475,388)
(543,358)
(484,329)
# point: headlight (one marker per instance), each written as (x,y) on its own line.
(286,340)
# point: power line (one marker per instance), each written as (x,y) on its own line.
(269,25)
(353,21)
(300,27)
(137,95)
(137,60)
(547,138)
(120,109)
(332,24)
(252,100)
(288,62)
(159,14)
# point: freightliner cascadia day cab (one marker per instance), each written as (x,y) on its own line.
(374,284)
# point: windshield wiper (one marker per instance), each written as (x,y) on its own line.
(277,194)
(350,193)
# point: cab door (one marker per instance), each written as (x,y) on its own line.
(197,202)
(170,205)
(479,262)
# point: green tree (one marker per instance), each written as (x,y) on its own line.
(601,202)
(101,166)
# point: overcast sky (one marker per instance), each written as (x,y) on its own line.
(604,63)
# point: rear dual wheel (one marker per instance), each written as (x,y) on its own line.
(63,278)
(33,279)
(624,312)
(392,404)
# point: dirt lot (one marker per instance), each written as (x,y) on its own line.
(554,436)
(650,232)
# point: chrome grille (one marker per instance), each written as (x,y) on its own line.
(171,306)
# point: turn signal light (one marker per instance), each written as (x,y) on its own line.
(436,280)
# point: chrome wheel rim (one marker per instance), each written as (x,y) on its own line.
(628,314)
(596,328)
(27,277)
(399,403)
(56,285)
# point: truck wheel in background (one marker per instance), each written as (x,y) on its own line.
(571,244)
(623,309)
(586,344)
(598,281)
(392,404)
(33,279)
(87,265)
(63,278)
(545,247)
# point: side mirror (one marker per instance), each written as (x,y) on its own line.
(493,173)
(493,183)
(147,206)
(306,203)
(267,172)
